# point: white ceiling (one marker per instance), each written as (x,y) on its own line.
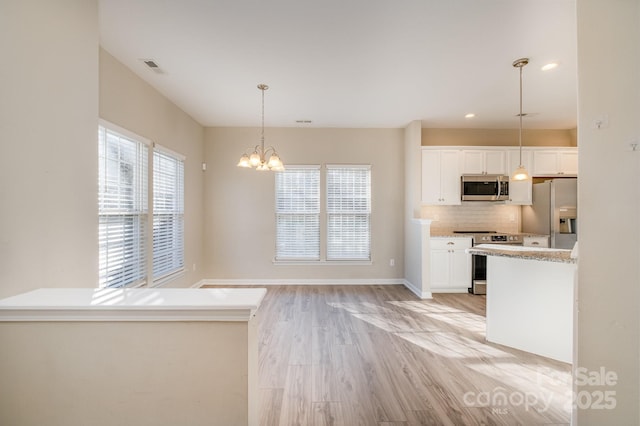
(352,63)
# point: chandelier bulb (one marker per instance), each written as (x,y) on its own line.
(244,161)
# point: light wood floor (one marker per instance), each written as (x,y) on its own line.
(377,355)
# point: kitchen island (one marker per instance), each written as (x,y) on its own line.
(530,298)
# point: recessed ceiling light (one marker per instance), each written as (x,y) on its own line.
(470,115)
(550,66)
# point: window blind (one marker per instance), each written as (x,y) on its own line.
(168,213)
(122,209)
(348,212)
(298,213)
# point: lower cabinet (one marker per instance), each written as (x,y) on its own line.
(450,265)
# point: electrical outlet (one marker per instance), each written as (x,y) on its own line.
(392,262)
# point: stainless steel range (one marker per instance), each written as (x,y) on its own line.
(479,263)
(492,237)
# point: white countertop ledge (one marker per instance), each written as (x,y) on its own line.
(107,304)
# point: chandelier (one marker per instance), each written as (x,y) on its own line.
(521,171)
(258,158)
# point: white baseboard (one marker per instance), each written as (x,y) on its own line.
(450,290)
(198,284)
(351,281)
(413,289)
(302,281)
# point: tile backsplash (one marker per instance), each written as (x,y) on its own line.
(479,216)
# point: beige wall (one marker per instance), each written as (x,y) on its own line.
(413,246)
(609,220)
(48,149)
(131,103)
(239,203)
(497,137)
(128,373)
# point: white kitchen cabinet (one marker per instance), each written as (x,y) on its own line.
(535,241)
(450,265)
(520,191)
(554,162)
(440,177)
(484,161)
(568,162)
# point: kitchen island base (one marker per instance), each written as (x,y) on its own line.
(530,305)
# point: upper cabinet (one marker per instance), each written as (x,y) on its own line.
(484,161)
(442,167)
(558,161)
(568,162)
(440,177)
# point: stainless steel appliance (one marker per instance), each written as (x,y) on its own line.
(479,263)
(553,212)
(484,187)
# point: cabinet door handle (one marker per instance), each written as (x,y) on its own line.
(535,243)
(450,243)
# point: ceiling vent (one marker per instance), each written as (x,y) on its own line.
(151,64)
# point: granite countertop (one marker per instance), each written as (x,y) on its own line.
(448,234)
(527,253)
(451,234)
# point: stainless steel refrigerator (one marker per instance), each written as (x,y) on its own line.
(553,212)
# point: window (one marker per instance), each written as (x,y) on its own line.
(127,256)
(347,208)
(122,206)
(168,213)
(348,213)
(298,213)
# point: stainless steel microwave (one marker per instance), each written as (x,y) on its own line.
(484,187)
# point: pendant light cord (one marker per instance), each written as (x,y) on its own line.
(263,88)
(520,134)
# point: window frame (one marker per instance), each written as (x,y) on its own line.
(176,217)
(146,253)
(323,259)
(331,212)
(140,253)
(314,253)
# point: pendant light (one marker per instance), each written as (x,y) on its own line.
(258,158)
(520,173)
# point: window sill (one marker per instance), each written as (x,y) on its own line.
(322,262)
(169,277)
